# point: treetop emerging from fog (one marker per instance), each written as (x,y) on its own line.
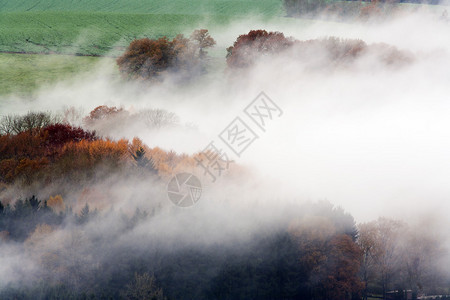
(250,48)
(146,58)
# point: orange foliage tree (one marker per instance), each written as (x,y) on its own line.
(85,155)
(203,40)
(331,258)
(56,203)
(146,58)
(62,151)
(340,280)
(29,154)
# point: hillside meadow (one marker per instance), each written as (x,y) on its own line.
(82,30)
(104,28)
(99,27)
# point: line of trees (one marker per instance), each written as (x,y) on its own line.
(320,254)
(399,257)
(39,147)
(257,45)
(270,265)
(317,253)
(150,59)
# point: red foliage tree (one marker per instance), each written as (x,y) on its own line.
(58,134)
(257,42)
(102,112)
(316,53)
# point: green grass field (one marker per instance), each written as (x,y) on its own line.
(100,27)
(97,27)
(85,33)
(192,7)
(22,74)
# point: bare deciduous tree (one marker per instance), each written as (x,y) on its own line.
(158,118)
(32,121)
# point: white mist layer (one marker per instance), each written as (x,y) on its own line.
(371,139)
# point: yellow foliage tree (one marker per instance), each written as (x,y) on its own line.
(56,203)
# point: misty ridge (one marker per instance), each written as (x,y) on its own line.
(345,196)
